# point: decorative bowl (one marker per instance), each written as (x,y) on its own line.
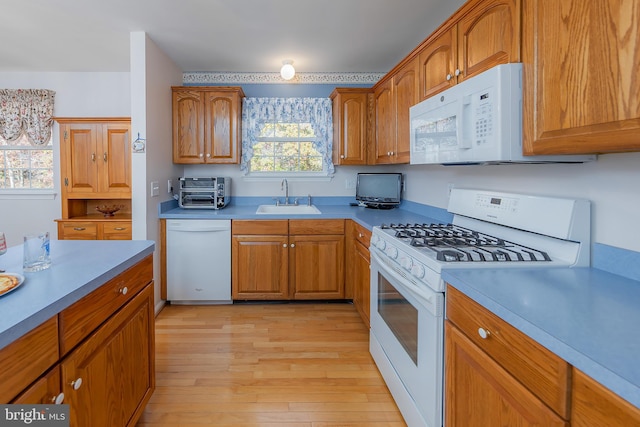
(108,210)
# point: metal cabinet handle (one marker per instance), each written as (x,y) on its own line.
(284,245)
(76,383)
(458,72)
(484,333)
(360,235)
(104,156)
(342,156)
(79,228)
(201,155)
(58,399)
(208,155)
(119,228)
(293,245)
(449,76)
(93,157)
(123,290)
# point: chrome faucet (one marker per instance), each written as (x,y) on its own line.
(285,185)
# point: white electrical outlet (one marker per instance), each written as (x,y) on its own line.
(449,187)
(169,186)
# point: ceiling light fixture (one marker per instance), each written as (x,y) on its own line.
(287,71)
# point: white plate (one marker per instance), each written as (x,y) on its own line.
(20,278)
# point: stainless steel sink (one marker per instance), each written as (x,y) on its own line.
(287,210)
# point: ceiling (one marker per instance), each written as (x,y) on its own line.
(369,36)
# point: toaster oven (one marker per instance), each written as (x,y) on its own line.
(204,193)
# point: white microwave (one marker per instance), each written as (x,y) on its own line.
(478,121)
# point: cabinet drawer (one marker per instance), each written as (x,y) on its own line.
(77,230)
(279,227)
(320,226)
(45,391)
(116,230)
(77,321)
(361,234)
(28,357)
(542,372)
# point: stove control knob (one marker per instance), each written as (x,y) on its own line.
(380,244)
(391,252)
(418,271)
(406,263)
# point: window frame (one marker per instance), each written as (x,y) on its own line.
(33,193)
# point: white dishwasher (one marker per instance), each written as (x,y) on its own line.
(199,261)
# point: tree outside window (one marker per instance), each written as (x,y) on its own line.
(26,166)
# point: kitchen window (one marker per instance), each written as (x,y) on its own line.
(24,166)
(287,137)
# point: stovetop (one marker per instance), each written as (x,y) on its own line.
(489,230)
(452,243)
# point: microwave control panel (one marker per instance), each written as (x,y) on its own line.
(483,117)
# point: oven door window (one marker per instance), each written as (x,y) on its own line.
(399,315)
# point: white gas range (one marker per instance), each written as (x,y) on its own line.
(489,230)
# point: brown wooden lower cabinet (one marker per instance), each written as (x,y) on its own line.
(287,259)
(594,405)
(94,230)
(109,377)
(357,272)
(480,393)
(106,369)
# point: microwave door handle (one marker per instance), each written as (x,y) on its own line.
(464,123)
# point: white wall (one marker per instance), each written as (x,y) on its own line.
(77,95)
(152,75)
(611,183)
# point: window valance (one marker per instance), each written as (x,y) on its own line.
(28,112)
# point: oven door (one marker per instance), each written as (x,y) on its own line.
(407,335)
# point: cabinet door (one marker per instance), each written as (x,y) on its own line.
(350,126)
(188,126)
(361,278)
(405,95)
(594,405)
(488,35)
(385,123)
(79,156)
(221,127)
(581,91)
(114,160)
(317,266)
(437,63)
(110,376)
(479,393)
(259,267)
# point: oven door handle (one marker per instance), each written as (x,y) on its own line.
(427,297)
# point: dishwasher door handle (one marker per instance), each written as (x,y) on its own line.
(198,229)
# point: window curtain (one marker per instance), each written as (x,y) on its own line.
(26,111)
(258,111)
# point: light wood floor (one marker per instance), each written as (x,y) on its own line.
(289,365)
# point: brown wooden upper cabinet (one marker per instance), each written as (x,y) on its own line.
(351,125)
(393,97)
(581,86)
(481,35)
(206,124)
(95,157)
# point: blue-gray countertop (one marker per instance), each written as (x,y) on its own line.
(78,267)
(586,316)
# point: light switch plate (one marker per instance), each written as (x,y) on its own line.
(155,188)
